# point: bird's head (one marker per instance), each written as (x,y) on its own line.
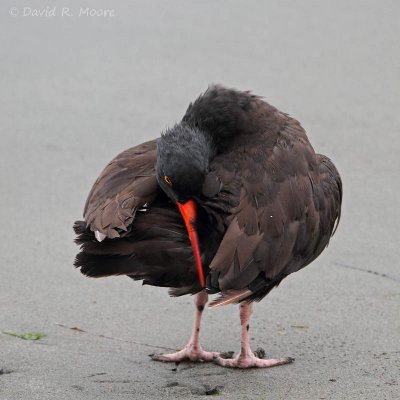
(183,155)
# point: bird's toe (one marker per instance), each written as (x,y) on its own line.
(186,354)
(251,362)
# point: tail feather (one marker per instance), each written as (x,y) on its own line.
(156,255)
(230,297)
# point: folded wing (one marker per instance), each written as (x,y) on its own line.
(127,183)
(282,202)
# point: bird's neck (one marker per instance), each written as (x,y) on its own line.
(199,144)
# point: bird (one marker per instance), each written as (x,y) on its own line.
(229,201)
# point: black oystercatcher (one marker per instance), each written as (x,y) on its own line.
(231,200)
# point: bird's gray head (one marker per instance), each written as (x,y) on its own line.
(183,155)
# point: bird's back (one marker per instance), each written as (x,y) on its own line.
(227,114)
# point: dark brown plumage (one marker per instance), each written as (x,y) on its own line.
(267,204)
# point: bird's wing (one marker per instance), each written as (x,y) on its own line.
(279,214)
(127,183)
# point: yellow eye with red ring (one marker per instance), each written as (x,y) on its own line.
(167,179)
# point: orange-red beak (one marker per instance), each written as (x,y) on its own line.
(189,214)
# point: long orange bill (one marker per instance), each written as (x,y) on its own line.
(189,214)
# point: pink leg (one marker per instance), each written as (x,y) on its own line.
(246,358)
(192,351)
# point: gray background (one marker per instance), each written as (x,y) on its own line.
(75,91)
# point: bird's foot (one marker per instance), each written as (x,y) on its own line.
(189,353)
(252,360)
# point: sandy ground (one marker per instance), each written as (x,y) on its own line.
(76,90)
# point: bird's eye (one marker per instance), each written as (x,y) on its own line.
(167,179)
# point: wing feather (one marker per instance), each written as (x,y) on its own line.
(127,183)
(281,202)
